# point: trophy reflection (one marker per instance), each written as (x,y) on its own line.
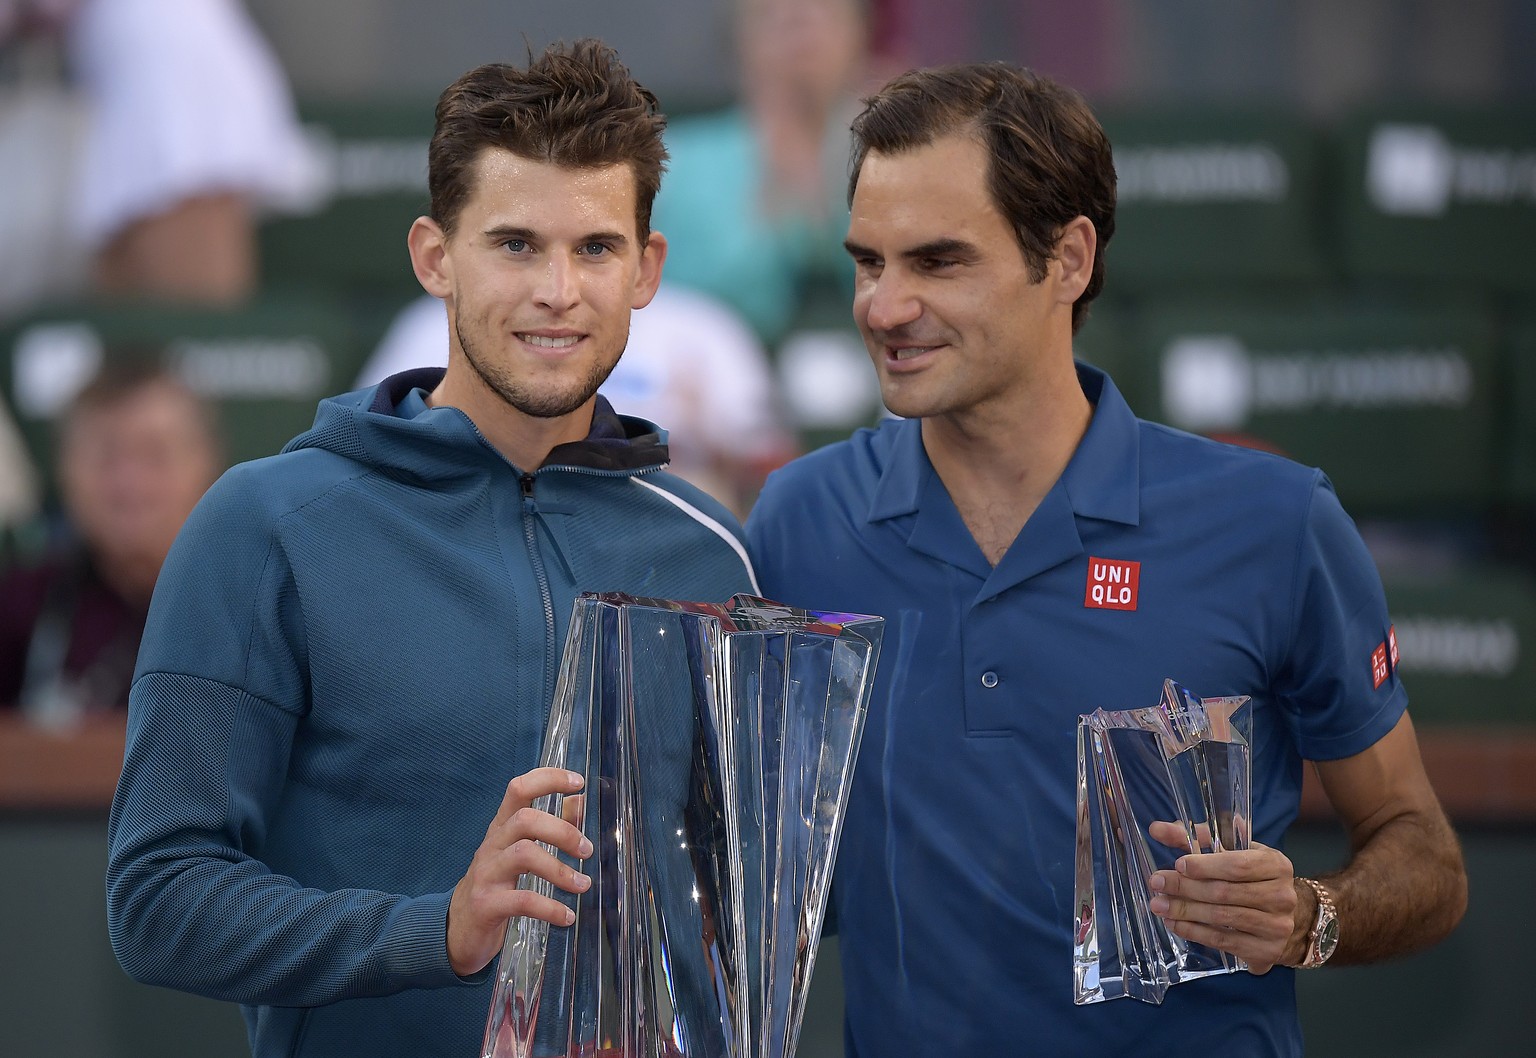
(1187,761)
(718,743)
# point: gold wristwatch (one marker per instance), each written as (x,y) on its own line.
(1324,937)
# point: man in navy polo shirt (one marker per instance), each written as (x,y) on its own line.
(979,525)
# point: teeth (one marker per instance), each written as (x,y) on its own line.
(550,343)
(906,353)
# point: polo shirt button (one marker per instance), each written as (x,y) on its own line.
(989,679)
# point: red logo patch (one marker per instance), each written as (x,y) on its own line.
(1392,646)
(1112,584)
(1379,665)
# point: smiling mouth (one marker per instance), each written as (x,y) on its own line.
(898,354)
(546,342)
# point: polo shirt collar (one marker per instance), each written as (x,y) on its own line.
(900,485)
(1102,481)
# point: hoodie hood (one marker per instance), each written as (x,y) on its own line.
(386,428)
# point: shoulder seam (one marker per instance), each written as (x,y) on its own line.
(1315,479)
(243,691)
(708,522)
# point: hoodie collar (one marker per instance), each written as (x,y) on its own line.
(391,427)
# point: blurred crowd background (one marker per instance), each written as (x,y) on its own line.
(1325,248)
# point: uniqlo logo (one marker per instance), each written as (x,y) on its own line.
(1392,646)
(1112,584)
(1379,665)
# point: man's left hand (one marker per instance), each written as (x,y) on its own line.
(1243,902)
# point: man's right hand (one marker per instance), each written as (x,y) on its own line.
(488,896)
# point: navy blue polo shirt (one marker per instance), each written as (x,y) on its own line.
(1157,554)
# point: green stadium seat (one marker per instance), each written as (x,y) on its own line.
(264,367)
(1105,341)
(1395,402)
(1520,415)
(373,162)
(1466,646)
(1440,196)
(1220,197)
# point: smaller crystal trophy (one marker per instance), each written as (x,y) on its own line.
(1185,761)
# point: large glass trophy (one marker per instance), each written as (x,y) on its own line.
(1184,761)
(718,743)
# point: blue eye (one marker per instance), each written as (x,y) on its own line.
(516,245)
(594,249)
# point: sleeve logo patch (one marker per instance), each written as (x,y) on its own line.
(1112,584)
(1384,658)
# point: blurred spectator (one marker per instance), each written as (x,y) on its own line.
(18,483)
(691,366)
(136,450)
(137,173)
(1078,43)
(754,202)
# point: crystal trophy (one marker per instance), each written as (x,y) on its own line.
(1184,761)
(718,743)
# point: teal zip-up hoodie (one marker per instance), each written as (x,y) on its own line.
(352,648)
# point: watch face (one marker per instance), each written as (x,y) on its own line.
(1329,938)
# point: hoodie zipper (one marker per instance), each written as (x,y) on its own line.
(536,559)
(552,649)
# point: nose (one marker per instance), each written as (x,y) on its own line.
(888,302)
(559,288)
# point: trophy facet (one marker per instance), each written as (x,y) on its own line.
(1185,761)
(717,742)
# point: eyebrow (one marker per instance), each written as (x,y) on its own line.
(941,248)
(935,248)
(502,233)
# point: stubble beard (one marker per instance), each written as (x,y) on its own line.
(539,404)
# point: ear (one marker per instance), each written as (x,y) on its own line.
(1073,262)
(649,276)
(429,257)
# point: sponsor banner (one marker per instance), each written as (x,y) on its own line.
(1220,196)
(264,368)
(1398,406)
(369,182)
(1446,197)
(1466,645)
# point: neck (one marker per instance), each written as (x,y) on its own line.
(998,463)
(524,440)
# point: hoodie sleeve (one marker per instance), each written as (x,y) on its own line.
(220,690)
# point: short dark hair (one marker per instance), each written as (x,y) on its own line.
(1050,161)
(575,105)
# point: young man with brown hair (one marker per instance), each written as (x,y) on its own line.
(354,644)
(982,201)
